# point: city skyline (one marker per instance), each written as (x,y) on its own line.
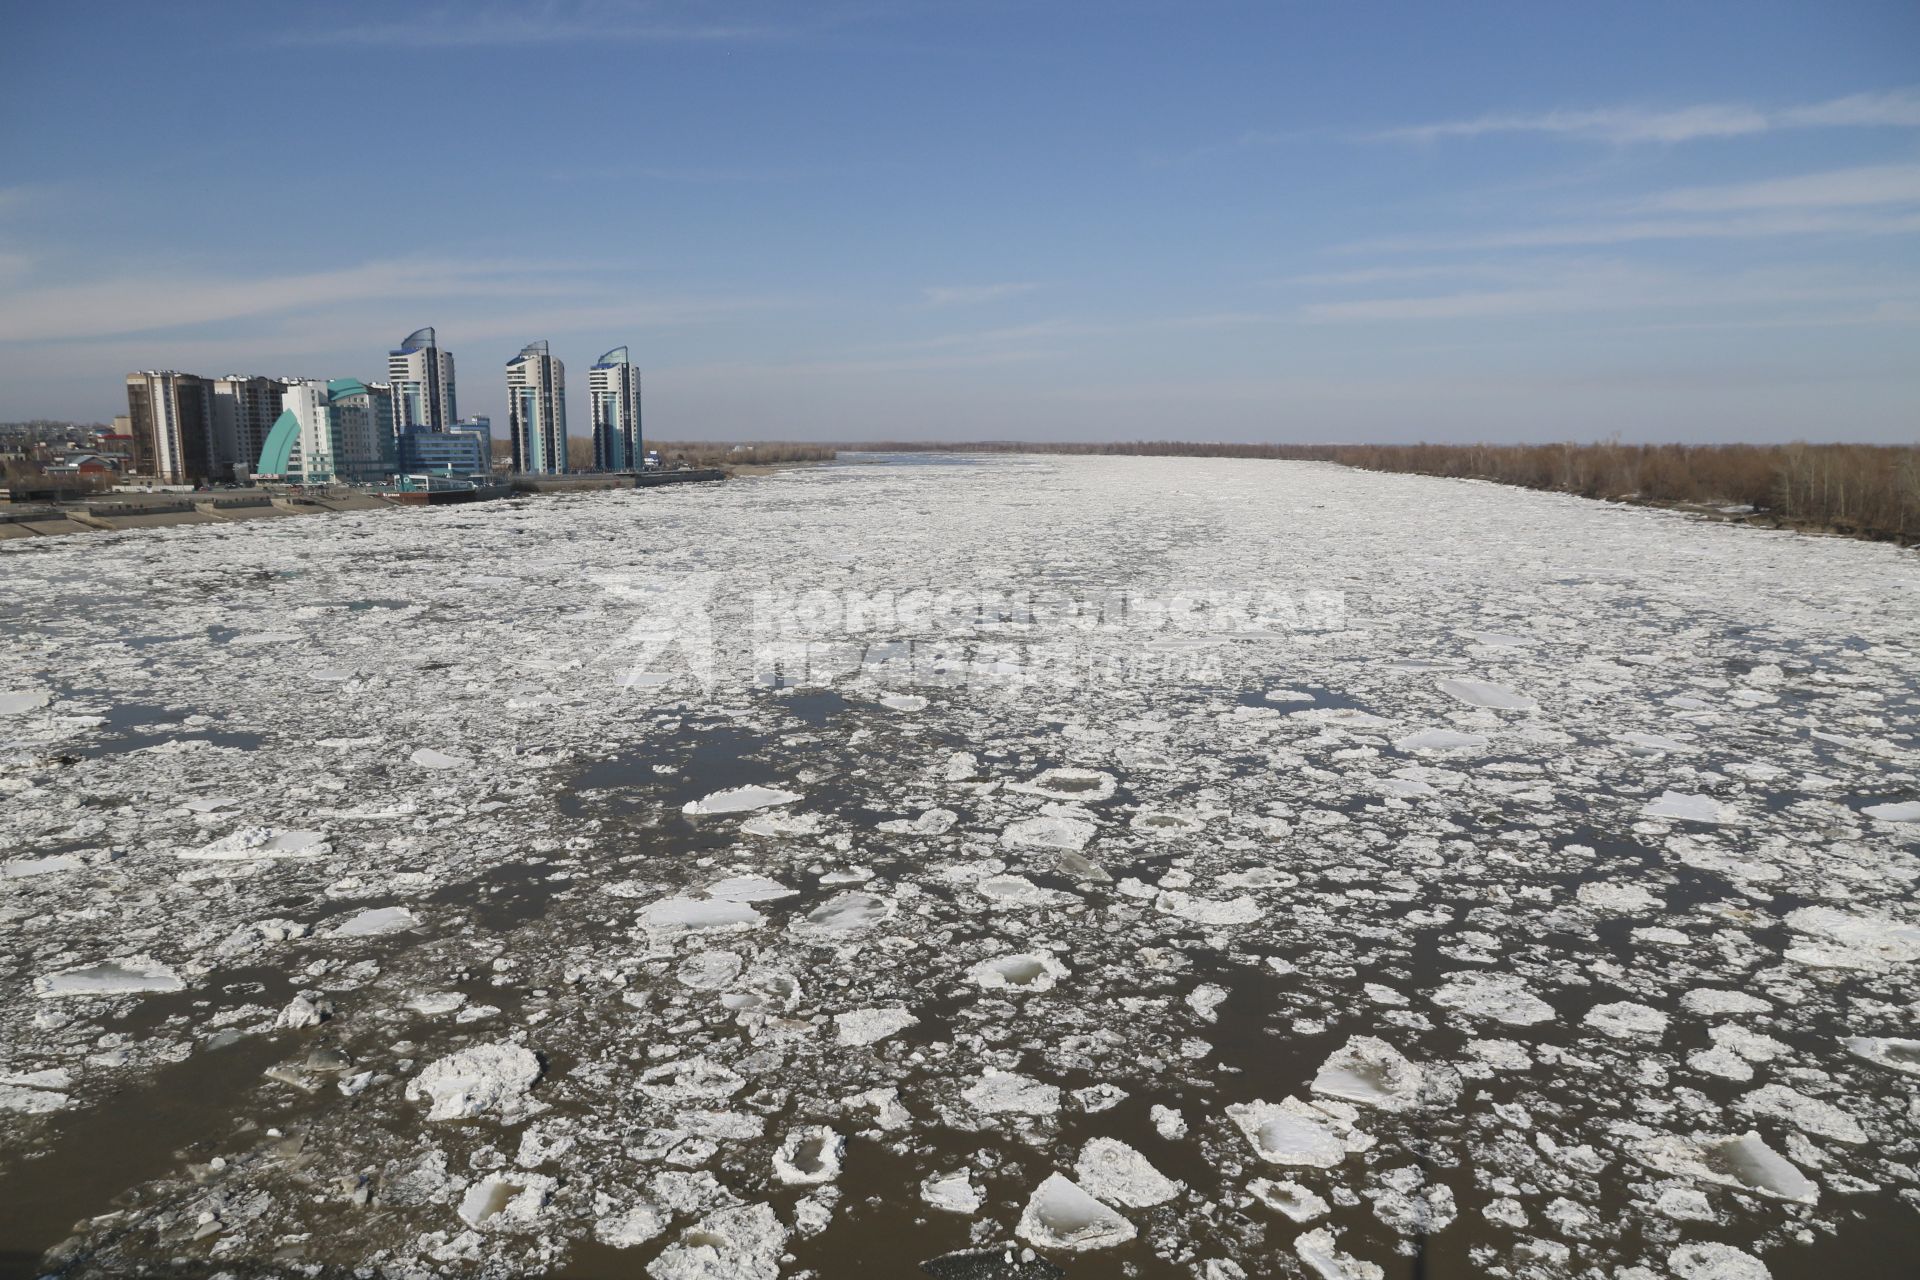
(1217,221)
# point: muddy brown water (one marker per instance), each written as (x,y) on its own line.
(90,1160)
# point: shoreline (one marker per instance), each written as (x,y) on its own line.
(127,512)
(22,521)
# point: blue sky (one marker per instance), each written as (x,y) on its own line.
(978,219)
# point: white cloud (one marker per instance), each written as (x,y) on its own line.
(520,23)
(961,295)
(1623,125)
(496,298)
(1571,288)
(1587,234)
(1837,188)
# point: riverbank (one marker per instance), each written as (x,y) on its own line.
(123,512)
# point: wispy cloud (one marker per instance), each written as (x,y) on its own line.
(1580,287)
(1629,124)
(1628,231)
(1879,184)
(554,22)
(966,295)
(497,296)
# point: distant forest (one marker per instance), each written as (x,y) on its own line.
(1869,491)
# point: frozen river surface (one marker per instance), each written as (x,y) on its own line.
(1109,867)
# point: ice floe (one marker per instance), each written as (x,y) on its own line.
(486,1080)
(1744,1162)
(870,1026)
(1483,693)
(1110,1170)
(262,842)
(1060,1214)
(1010,1093)
(1371,1072)
(1502,997)
(110,978)
(740,800)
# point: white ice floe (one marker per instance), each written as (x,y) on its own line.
(869,1026)
(1163,825)
(781,825)
(843,916)
(1290,1133)
(931,822)
(1809,1115)
(1051,832)
(1617,897)
(501,1200)
(904,702)
(1709,1002)
(1027,971)
(1441,742)
(674,917)
(1482,693)
(1900,1055)
(487,1079)
(307,1009)
(1009,1093)
(262,842)
(1015,892)
(1289,1198)
(1503,997)
(1744,1162)
(1080,785)
(23,868)
(374,922)
(739,1243)
(1626,1020)
(1899,811)
(1061,1215)
(690,1078)
(1110,1170)
(35,1093)
(749,889)
(631,1227)
(1371,1072)
(1716,1262)
(1318,1250)
(428,758)
(136,976)
(953,1192)
(1176,902)
(23,700)
(739,800)
(1837,939)
(709,970)
(810,1155)
(1687,808)
(1167,1122)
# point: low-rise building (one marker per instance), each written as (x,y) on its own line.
(362,421)
(465,450)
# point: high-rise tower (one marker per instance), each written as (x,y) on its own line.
(171,415)
(614,384)
(537,410)
(422,378)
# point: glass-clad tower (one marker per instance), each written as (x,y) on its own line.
(421,375)
(537,410)
(614,383)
